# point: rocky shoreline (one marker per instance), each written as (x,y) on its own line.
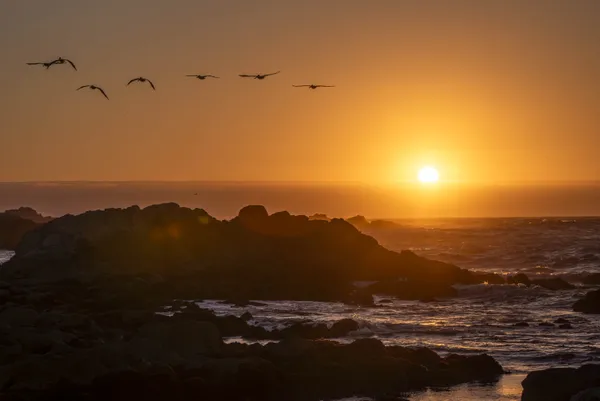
(79,300)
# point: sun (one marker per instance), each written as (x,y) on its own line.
(428,175)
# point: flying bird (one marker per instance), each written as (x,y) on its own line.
(142,79)
(313,86)
(46,65)
(201,77)
(61,60)
(93,87)
(259,76)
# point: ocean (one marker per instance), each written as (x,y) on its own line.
(482,318)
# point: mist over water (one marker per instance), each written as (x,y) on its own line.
(224,200)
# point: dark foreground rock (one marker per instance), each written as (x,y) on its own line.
(187,254)
(590,303)
(12,230)
(560,384)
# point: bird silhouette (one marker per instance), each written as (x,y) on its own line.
(61,60)
(93,87)
(46,65)
(201,77)
(312,86)
(142,79)
(259,76)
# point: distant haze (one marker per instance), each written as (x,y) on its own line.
(223,200)
(487,91)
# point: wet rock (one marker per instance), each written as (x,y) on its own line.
(519,278)
(246,316)
(565,326)
(546,324)
(559,384)
(521,324)
(342,327)
(553,284)
(590,303)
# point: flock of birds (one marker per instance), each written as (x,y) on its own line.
(62,61)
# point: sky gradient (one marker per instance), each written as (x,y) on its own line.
(488,91)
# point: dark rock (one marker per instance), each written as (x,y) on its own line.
(559,384)
(28,213)
(519,278)
(184,337)
(358,221)
(385,301)
(590,303)
(561,320)
(12,230)
(546,324)
(246,316)
(521,324)
(553,284)
(342,327)
(591,279)
(565,326)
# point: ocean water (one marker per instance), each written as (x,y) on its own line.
(5,256)
(482,318)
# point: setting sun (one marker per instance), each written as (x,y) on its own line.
(428,175)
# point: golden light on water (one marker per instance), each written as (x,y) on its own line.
(428,175)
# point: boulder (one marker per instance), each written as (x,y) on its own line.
(342,327)
(553,284)
(590,303)
(559,384)
(521,324)
(591,394)
(519,278)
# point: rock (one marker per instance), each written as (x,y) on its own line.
(591,394)
(184,337)
(28,213)
(342,327)
(17,316)
(521,324)
(519,278)
(565,326)
(590,303)
(12,229)
(385,301)
(553,284)
(546,324)
(358,221)
(559,384)
(246,316)
(561,320)
(591,279)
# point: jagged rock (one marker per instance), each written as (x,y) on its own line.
(590,303)
(519,278)
(553,284)
(559,384)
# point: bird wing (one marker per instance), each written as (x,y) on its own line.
(300,86)
(151,84)
(133,80)
(247,76)
(195,76)
(104,93)
(212,76)
(84,86)
(273,73)
(35,63)
(72,64)
(325,86)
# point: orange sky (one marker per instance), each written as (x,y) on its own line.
(488,91)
